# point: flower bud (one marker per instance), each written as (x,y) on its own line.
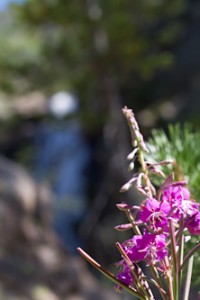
(131,166)
(123,206)
(158,172)
(123,227)
(128,185)
(125,187)
(132,154)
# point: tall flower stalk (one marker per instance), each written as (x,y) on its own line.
(161,224)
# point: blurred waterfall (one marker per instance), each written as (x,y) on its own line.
(62,157)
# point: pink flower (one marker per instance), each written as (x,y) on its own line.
(154,214)
(193,224)
(148,247)
(153,217)
(124,275)
(136,248)
(161,250)
(178,198)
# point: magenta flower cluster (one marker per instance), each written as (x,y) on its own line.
(153,220)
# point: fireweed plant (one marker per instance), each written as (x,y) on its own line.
(161,225)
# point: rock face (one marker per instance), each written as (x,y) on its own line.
(33,264)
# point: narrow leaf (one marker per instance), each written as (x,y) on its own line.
(108,274)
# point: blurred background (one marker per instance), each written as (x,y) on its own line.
(66,70)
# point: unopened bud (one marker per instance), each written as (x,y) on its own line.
(123,227)
(166,162)
(128,185)
(131,166)
(142,191)
(132,154)
(139,180)
(135,143)
(123,206)
(143,145)
(158,172)
(125,187)
(153,190)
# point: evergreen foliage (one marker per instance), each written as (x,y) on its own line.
(180,143)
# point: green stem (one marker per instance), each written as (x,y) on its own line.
(189,254)
(145,171)
(158,282)
(131,220)
(180,258)
(174,260)
(169,279)
(180,242)
(188,279)
(137,139)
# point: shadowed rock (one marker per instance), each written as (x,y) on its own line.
(33,265)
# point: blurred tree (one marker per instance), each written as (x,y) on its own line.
(101,49)
(93,46)
(19,56)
